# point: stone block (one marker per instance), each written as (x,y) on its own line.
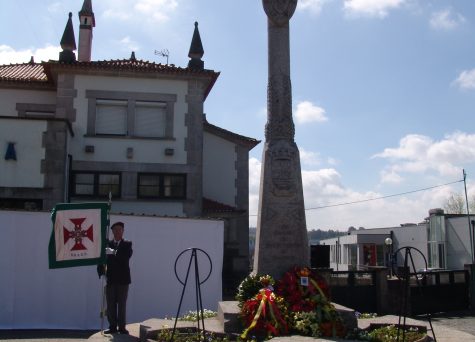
(228,316)
(348,316)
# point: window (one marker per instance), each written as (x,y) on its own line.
(150,119)
(353,254)
(158,185)
(137,115)
(380,255)
(111,117)
(436,240)
(96,184)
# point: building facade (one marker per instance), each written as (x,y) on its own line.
(441,241)
(77,130)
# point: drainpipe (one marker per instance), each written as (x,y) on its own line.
(337,252)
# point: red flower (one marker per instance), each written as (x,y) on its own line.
(300,297)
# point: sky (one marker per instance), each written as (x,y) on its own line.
(383,90)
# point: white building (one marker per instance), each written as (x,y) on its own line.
(441,240)
(75,130)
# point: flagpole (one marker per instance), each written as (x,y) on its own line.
(103,302)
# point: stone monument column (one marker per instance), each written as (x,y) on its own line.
(281,240)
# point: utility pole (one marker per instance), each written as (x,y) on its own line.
(468,216)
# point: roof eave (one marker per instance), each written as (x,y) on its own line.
(242,140)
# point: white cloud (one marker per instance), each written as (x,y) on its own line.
(390,176)
(330,204)
(466,79)
(418,154)
(129,45)
(309,158)
(55,7)
(371,8)
(446,20)
(314,6)
(117,14)
(157,11)
(262,113)
(254,184)
(10,56)
(308,112)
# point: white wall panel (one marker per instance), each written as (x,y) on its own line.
(10,97)
(219,169)
(27,136)
(33,296)
(114,149)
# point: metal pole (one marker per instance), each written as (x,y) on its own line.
(104,283)
(468,216)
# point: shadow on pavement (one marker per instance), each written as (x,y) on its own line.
(45,333)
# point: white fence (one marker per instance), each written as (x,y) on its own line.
(32,296)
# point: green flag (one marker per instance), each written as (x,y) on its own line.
(79,234)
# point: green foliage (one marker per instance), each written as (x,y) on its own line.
(389,334)
(307,323)
(317,235)
(250,287)
(456,204)
(365,315)
(190,335)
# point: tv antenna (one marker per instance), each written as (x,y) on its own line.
(163,53)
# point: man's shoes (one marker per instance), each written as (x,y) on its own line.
(110,331)
(123,331)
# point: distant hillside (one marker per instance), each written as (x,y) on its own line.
(315,236)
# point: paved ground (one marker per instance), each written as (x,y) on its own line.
(448,327)
(462,320)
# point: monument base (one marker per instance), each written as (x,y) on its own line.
(228,316)
(226,322)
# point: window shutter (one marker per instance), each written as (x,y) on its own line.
(150,119)
(111,117)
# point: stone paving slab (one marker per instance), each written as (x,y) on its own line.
(443,332)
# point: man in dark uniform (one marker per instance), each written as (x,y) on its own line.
(118,253)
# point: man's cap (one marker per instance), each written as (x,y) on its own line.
(121,224)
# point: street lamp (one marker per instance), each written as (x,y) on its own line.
(389,243)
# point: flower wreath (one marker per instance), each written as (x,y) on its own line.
(300,303)
(303,290)
(263,314)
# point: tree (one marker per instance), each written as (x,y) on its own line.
(455,204)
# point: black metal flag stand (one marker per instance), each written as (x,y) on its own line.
(199,302)
(405,276)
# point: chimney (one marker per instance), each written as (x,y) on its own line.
(87,22)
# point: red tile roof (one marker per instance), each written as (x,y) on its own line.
(228,135)
(26,72)
(210,206)
(41,72)
(135,65)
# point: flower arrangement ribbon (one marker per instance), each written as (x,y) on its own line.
(314,283)
(328,308)
(266,297)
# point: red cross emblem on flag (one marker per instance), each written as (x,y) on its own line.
(78,234)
